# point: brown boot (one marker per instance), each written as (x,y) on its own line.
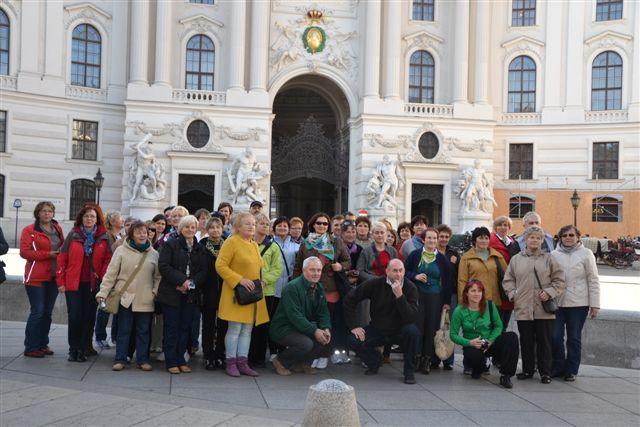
(279,367)
(303,368)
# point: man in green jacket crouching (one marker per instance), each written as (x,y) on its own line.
(302,323)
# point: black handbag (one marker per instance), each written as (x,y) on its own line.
(550,305)
(245,297)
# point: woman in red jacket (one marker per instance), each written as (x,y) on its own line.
(39,244)
(82,262)
(508,247)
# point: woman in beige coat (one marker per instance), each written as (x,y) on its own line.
(531,278)
(136,302)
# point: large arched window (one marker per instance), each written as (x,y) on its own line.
(82,191)
(4,43)
(606,82)
(421,77)
(522,85)
(86,50)
(200,63)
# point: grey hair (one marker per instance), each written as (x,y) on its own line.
(534,229)
(186,221)
(530,214)
(379,224)
(309,260)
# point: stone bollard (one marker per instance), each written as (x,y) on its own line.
(331,403)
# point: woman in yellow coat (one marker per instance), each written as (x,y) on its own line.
(239,264)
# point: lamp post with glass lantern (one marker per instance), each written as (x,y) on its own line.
(575,202)
(98,180)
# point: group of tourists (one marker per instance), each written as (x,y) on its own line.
(253,290)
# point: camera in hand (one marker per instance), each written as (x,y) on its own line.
(103,305)
(485,344)
(192,285)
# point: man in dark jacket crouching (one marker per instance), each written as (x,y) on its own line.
(393,309)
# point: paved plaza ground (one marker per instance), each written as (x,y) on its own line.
(56,392)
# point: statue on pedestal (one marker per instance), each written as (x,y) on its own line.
(244,173)
(146,175)
(475,189)
(383,185)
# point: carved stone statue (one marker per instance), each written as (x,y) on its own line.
(383,185)
(475,189)
(243,175)
(146,175)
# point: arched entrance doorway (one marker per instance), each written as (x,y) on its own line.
(309,149)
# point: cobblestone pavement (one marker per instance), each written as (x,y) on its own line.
(52,391)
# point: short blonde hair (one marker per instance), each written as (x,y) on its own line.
(296,220)
(181,209)
(186,221)
(501,220)
(240,218)
(534,229)
(260,217)
(381,225)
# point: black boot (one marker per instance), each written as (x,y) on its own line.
(505,381)
(73,356)
(81,357)
(424,367)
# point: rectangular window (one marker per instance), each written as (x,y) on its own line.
(85,140)
(605,160)
(606,209)
(608,10)
(423,10)
(520,161)
(3,131)
(523,13)
(520,205)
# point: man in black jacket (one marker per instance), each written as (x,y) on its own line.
(393,309)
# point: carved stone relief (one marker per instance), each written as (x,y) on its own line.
(86,11)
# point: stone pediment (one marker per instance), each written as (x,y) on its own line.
(608,35)
(523,44)
(201,20)
(423,39)
(73,9)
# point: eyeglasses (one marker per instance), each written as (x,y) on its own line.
(326,224)
(568,235)
(151,229)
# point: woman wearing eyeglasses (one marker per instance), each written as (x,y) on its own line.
(333,256)
(581,298)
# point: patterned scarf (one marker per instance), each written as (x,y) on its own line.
(427,257)
(320,242)
(89,240)
(214,246)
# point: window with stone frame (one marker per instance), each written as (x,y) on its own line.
(3,131)
(523,13)
(5,34)
(85,140)
(200,63)
(606,82)
(520,205)
(521,161)
(82,191)
(606,209)
(608,10)
(423,10)
(421,77)
(86,50)
(522,85)
(605,160)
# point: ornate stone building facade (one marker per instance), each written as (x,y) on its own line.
(460,110)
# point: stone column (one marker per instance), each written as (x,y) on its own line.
(30,33)
(482,35)
(139,52)
(372,50)
(163,43)
(54,32)
(461,52)
(236,45)
(553,55)
(575,61)
(259,45)
(392,52)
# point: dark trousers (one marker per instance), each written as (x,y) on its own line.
(408,337)
(429,311)
(177,325)
(535,343)
(42,299)
(435,360)
(339,332)
(81,311)
(213,329)
(505,317)
(260,335)
(505,350)
(300,348)
(572,319)
(194,331)
(102,319)
(126,326)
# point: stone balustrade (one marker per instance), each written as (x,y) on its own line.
(521,118)
(606,116)
(8,82)
(90,93)
(428,110)
(187,96)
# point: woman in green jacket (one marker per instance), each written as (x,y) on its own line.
(271,271)
(482,335)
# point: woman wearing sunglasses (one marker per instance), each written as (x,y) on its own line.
(581,298)
(334,258)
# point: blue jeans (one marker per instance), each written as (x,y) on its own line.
(102,318)
(571,318)
(42,300)
(125,326)
(238,339)
(177,325)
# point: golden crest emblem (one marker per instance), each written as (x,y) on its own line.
(314,38)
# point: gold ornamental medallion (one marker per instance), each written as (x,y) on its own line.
(314,39)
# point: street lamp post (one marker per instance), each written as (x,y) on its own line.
(98,180)
(575,202)
(17,203)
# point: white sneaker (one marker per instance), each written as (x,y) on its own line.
(322,363)
(273,356)
(336,358)
(314,364)
(160,357)
(344,357)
